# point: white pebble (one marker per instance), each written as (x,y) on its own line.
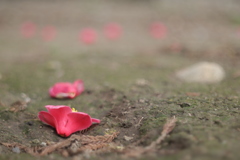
(16,150)
(203,72)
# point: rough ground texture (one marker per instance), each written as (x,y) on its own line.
(130,83)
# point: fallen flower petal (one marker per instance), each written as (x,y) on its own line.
(65,120)
(113,31)
(28,29)
(158,30)
(63,90)
(88,36)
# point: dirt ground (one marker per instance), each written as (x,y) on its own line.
(130,83)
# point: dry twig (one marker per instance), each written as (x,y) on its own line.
(167,128)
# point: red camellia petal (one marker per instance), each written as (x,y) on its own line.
(59,113)
(88,36)
(76,121)
(158,30)
(28,29)
(65,121)
(47,118)
(79,86)
(94,120)
(113,31)
(66,90)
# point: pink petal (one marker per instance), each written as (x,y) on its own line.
(59,113)
(47,118)
(113,31)
(158,30)
(63,90)
(76,121)
(94,120)
(28,29)
(88,36)
(79,86)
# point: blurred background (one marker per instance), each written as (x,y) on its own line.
(197,26)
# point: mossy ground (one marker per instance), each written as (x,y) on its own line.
(130,84)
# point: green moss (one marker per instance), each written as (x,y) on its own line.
(6,115)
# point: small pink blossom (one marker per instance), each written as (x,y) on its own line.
(113,31)
(48,33)
(63,90)
(65,121)
(158,30)
(88,36)
(28,29)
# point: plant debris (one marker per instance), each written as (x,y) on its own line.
(74,145)
(17,106)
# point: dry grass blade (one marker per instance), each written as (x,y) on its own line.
(98,139)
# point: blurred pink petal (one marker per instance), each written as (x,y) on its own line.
(78,84)
(113,31)
(64,90)
(158,30)
(48,33)
(65,121)
(88,36)
(28,29)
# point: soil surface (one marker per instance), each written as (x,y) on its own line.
(130,83)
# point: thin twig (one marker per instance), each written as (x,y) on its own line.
(167,128)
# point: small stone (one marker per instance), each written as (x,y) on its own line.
(203,72)
(75,146)
(16,150)
(43,144)
(26,98)
(127,138)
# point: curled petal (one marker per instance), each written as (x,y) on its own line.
(59,113)
(79,86)
(47,118)
(94,120)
